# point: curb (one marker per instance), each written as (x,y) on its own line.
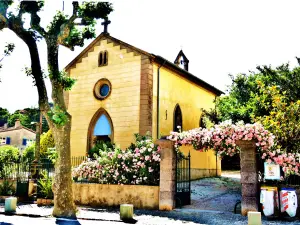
(58,218)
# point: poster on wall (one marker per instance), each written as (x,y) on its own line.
(272,171)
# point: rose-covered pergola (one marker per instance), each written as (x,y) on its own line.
(223,137)
(246,139)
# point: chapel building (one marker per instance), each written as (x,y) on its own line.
(122,90)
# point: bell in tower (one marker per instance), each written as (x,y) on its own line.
(182,61)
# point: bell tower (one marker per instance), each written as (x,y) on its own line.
(182,61)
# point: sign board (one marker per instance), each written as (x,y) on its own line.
(272,171)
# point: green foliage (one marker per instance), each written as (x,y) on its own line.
(17,116)
(100,146)
(9,153)
(47,141)
(29,153)
(26,117)
(52,155)
(4,115)
(45,186)
(283,120)
(58,20)
(58,116)
(7,50)
(241,103)
(7,188)
(9,47)
(66,81)
(94,10)
(31,6)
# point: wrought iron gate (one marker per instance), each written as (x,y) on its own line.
(183,181)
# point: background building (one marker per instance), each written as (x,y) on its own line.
(18,136)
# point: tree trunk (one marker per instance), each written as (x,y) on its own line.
(62,186)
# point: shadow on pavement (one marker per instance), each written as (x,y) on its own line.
(66,221)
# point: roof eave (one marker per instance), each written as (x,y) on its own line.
(102,35)
(187,75)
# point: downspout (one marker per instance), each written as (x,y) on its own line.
(216,152)
(157,102)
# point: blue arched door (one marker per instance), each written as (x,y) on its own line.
(100,129)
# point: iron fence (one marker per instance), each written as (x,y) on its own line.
(24,170)
(183,181)
(77,160)
(14,170)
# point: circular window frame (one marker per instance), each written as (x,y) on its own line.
(97,87)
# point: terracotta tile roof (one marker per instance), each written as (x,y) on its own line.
(2,130)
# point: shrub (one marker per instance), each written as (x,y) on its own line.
(100,146)
(47,141)
(138,164)
(45,186)
(9,153)
(7,188)
(28,153)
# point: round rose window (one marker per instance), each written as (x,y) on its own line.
(102,89)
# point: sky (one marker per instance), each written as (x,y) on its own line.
(218,37)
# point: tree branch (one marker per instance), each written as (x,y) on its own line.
(15,24)
(66,27)
(35,24)
(3,10)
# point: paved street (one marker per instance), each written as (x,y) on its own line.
(145,220)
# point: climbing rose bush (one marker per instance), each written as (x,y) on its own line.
(222,138)
(138,164)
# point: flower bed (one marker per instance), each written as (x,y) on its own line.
(138,164)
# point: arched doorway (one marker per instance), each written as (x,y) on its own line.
(100,128)
(177,119)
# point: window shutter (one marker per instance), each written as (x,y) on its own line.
(8,140)
(24,141)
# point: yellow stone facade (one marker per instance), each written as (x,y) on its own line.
(175,90)
(132,104)
(122,105)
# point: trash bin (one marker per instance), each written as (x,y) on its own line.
(288,201)
(269,200)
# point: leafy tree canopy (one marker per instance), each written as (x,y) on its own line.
(241,104)
(4,115)
(26,117)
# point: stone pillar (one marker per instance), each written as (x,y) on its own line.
(249,176)
(167,175)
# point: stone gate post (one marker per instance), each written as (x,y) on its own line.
(167,175)
(249,176)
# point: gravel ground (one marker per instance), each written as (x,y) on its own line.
(215,193)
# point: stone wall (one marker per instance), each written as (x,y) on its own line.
(167,175)
(110,195)
(249,176)
(200,173)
